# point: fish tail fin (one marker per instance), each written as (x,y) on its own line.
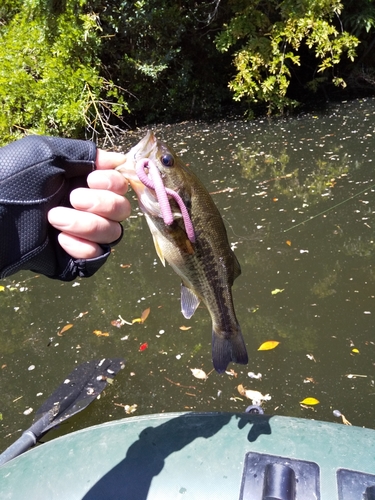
(227,348)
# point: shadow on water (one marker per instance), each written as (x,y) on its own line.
(145,459)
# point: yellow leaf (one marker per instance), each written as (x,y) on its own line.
(355,350)
(143,317)
(277,290)
(2,288)
(289,243)
(185,327)
(64,329)
(99,333)
(310,401)
(267,346)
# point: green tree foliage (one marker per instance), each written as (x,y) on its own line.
(78,67)
(271,38)
(164,53)
(50,80)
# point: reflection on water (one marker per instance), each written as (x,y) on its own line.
(297,196)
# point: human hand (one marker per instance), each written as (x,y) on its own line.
(97,211)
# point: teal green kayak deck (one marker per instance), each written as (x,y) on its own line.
(200,456)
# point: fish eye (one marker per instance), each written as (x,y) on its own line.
(167,160)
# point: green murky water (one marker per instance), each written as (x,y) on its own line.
(298,198)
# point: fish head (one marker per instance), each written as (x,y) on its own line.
(172,171)
(170,167)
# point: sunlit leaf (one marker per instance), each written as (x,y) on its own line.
(80,315)
(125,266)
(256,396)
(311,357)
(64,329)
(143,317)
(267,346)
(2,288)
(356,351)
(117,322)
(289,243)
(277,290)
(198,373)
(310,401)
(184,328)
(143,346)
(145,314)
(130,409)
(1,416)
(99,333)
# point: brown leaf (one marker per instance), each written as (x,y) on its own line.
(145,314)
(185,327)
(64,329)
(143,317)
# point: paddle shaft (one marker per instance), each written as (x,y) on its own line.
(27,440)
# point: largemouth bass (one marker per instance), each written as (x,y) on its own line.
(192,239)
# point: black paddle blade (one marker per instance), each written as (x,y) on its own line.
(79,389)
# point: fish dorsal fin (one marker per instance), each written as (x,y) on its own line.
(189,302)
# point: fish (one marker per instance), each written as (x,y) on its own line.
(191,237)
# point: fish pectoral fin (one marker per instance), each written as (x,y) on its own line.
(158,249)
(189,302)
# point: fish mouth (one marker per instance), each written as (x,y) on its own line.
(141,150)
(144,148)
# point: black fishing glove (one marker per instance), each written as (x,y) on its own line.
(38,173)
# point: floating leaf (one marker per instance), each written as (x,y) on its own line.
(80,315)
(356,351)
(64,329)
(277,290)
(117,322)
(143,346)
(267,346)
(145,314)
(143,317)
(130,409)
(310,401)
(99,333)
(184,328)
(256,396)
(289,243)
(2,288)
(198,373)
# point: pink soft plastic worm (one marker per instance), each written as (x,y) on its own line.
(155,182)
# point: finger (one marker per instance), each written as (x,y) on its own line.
(84,225)
(108,159)
(79,248)
(100,202)
(108,179)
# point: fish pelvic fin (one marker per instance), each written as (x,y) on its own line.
(189,302)
(227,348)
